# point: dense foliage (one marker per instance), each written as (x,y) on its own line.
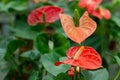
(29,52)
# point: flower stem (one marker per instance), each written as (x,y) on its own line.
(44,17)
(117,76)
(75,73)
(76,18)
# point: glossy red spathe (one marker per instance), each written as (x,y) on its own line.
(84,57)
(90,5)
(51,14)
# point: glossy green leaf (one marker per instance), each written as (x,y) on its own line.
(41,43)
(13,46)
(48,61)
(62,76)
(61,43)
(100,74)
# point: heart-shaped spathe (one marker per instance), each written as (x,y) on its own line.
(51,14)
(84,57)
(78,34)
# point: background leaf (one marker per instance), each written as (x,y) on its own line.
(23,30)
(117,59)
(96,74)
(62,76)
(31,54)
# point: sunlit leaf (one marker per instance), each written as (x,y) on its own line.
(48,61)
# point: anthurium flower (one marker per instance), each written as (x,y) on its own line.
(78,33)
(82,56)
(101,13)
(90,5)
(44,14)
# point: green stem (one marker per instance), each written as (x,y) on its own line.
(76,18)
(102,34)
(117,76)
(75,73)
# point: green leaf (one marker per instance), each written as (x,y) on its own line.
(3,65)
(96,74)
(34,76)
(13,46)
(117,60)
(61,43)
(2,55)
(41,43)
(48,77)
(19,6)
(48,61)
(62,76)
(116,1)
(23,30)
(116,19)
(15,5)
(32,54)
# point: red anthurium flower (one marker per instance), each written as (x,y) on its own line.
(78,34)
(101,13)
(82,56)
(44,14)
(90,5)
